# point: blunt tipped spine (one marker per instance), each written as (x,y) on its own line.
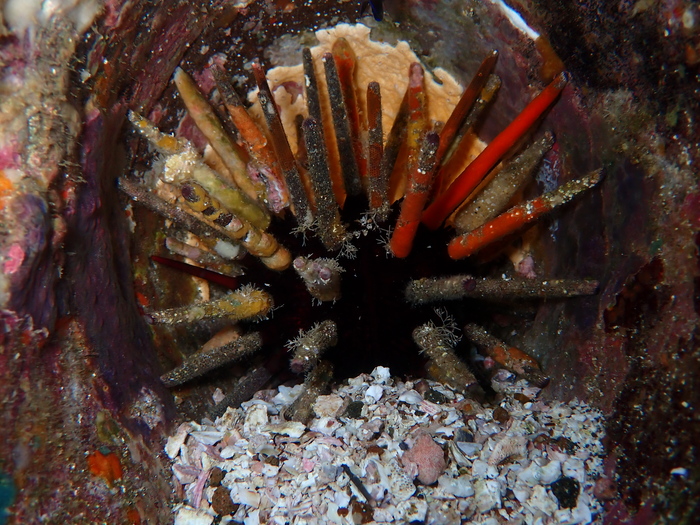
(259,150)
(446,367)
(330,228)
(341,124)
(509,357)
(280,144)
(315,384)
(462,142)
(499,190)
(392,147)
(377,189)
(465,105)
(460,189)
(202,362)
(420,182)
(313,100)
(209,124)
(454,287)
(321,277)
(310,345)
(246,303)
(345,62)
(519,216)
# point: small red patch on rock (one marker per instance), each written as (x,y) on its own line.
(428,456)
(106,466)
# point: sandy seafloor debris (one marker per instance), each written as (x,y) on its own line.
(522,461)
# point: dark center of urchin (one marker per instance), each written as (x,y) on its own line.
(373,319)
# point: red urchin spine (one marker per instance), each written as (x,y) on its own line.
(460,189)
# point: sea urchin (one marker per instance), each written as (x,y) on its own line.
(331,180)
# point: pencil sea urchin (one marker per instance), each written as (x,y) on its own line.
(329,177)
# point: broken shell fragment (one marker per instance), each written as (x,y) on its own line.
(366,464)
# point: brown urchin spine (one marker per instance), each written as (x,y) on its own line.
(509,357)
(246,303)
(204,361)
(310,345)
(321,277)
(498,191)
(435,289)
(246,387)
(444,364)
(315,384)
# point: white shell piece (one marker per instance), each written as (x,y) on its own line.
(292,429)
(332,514)
(557,455)
(228,420)
(451,417)
(172,446)
(444,431)
(460,487)
(457,455)
(415,511)
(531,475)
(402,486)
(253,518)
(238,472)
(286,395)
(430,408)
(208,437)
(218,396)
(531,391)
(186,515)
(228,452)
(543,501)
(269,470)
(411,397)
(522,492)
(255,417)
(470,449)
(247,497)
(328,406)
(384,514)
(481,469)
(507,447)
(374,392)
(325,425)
(381,374)
(574,468)
(341,498)
(550,472)
(185,474)
(487,494)
(561,411)
(490,428)
(581,514)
